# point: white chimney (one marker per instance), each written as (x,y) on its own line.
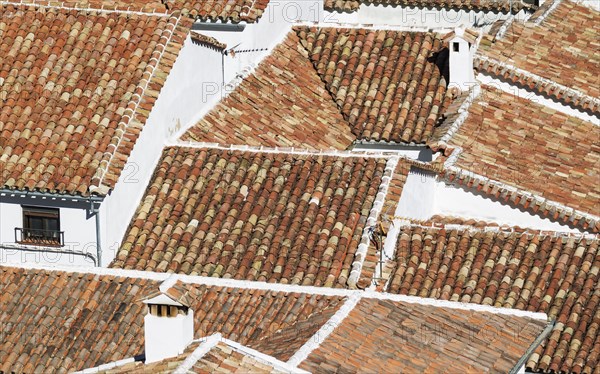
(168,327)
(461,46)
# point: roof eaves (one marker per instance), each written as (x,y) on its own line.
(363,247)
(49,4)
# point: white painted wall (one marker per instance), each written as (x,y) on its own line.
(457,202)
(418,196)
(167,336)
(80,237)
(410,16)
(424,196)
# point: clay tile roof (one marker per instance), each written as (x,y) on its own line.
(220,10)
(207,41)
(561,53)
(401,337)
(147,6)
(502,6)
(222,357)
(556,275)
(69,116)
(532,147)
(251,215)
(65,321)
(389,85)
(325,88)
(282,104)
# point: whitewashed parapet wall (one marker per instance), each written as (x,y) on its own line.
(425,195)
(419,17)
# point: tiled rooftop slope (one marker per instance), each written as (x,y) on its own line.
(255,216)
(562,49)
(558,276)
(204,10)
(389,85)
(220,10)
(72,321)
(386,336)
(532,147)
(72,92)
(221,358)
(282,104)
(502,6)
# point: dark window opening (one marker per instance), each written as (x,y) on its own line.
(41,226)
(456,46)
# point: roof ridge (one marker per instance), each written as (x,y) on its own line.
(407,222)
(64,5)
(463,113)
(326,329)
(265,358)
(203,348)
(285,150)
(263,286)
(372,220)
(571,92)
(538,19)
(105,164)
(372,27)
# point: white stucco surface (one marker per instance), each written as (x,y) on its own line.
(167,336)
(79,237)
(424,196)
(417,17)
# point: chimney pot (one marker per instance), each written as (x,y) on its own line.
(168,327)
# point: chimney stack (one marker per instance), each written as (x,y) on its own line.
(461,46)
(168,327)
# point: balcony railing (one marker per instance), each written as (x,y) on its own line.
(49,238)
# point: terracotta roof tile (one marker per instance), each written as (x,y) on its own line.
(71,84)
(208,41)
(562,49)
(558,276)
(282,104)
(205,10)
(389,85)
(387,336)
(380,232)
(62,321)
(225,359)
(255,216)
(220,358)
(532,147)
(220,10)
(503,6)
(148,6)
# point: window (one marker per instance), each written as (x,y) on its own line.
(456,46)
(41,226)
